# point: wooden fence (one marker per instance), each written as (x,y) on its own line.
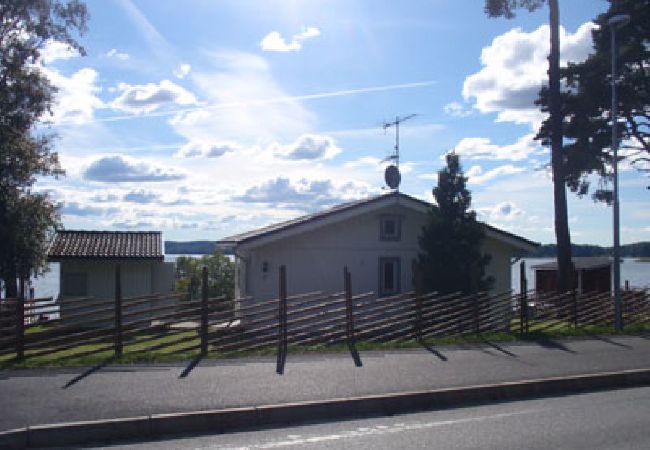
(166,323)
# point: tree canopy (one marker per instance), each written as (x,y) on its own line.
(27,218)
(451,258)
(586,101)
(221,275)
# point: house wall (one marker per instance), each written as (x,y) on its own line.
(315,259)
(137,278)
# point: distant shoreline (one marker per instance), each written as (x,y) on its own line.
(637,250)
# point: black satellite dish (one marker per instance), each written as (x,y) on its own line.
(392,177)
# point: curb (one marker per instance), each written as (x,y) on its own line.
(239,419)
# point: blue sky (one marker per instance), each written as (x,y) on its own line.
(208,118)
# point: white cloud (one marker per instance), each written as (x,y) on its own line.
(119,169)
(504,211)
(243,83)
(146,98)
(206,149)
(515,68)
(274,42)
(55,50)
(113,53)
(363,162)
(307,195)
(308,147)
(182,71)
(457,109)
(476,175)
(76,100)
(483,148)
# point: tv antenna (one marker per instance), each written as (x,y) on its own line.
(395,123)
(392,175)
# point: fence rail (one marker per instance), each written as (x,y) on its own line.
(167,323)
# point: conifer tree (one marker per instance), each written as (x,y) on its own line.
(451,258)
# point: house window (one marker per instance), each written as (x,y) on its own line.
(75,284)
(389,276)
(390,228)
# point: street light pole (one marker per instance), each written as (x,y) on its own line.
(615,22)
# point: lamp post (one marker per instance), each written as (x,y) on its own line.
(615,22)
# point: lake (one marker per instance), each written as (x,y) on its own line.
(633,270)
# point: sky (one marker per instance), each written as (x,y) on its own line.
(207,118)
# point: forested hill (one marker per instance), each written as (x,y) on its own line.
(189,247)
(637,250)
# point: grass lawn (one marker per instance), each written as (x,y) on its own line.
(137,348)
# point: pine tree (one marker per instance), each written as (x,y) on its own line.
(506,8)
(450,258)
(586,102)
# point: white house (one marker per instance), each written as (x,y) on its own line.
(88,260)
(376,238)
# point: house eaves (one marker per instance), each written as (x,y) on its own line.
(283,230)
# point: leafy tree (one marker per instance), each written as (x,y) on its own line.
(26,96)
(506,8)
(450,259)
(586,101)
(221,275)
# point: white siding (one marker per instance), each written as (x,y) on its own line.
(315,259)
(136,277)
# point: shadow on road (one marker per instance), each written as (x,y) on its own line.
(195,362)
(499,348)
(355,355)
(88,372)
(433,351)
(547,342)
(609,341)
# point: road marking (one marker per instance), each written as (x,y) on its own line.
(378,430)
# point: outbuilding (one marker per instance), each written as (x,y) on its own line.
(88,261)
(591,274)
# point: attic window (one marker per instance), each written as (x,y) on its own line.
(390,228)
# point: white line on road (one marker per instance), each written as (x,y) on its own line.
(399,427)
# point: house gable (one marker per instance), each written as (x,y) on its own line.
(341,213)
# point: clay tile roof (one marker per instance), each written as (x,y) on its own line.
(70,244)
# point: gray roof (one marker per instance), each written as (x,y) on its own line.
(249,236)
(74,244)
(580,263)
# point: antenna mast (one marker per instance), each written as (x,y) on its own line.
(396,123)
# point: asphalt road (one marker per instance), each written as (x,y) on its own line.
(45,396)
(604,420)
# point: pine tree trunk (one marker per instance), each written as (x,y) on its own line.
(563,238)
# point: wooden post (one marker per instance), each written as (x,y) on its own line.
(282,321)
(20,328)
(418,318)
(118,312)
(349,329)
(575,309)
(475,311)
(204,312)
(523,301)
